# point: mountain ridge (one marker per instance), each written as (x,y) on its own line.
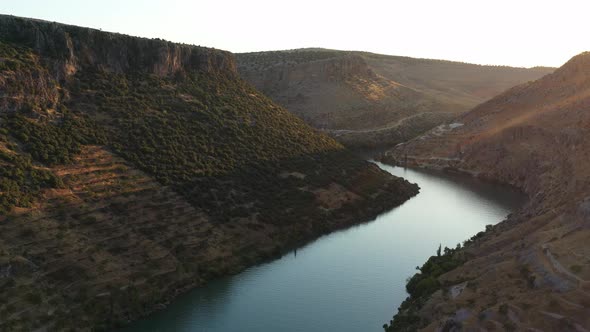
(528,271)
(378,92)
(413,58)
(136,169)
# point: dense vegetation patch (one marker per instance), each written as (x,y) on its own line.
(21,181)
(214,139)
(211,136)
(54,142)
(27,146)
(266,59)
(420,286)
(195,124)
(15,57)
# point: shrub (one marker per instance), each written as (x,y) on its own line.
(34,298)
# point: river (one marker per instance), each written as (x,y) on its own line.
(350,280)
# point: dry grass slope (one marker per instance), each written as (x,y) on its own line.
(532,270)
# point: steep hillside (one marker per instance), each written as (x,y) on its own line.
(134,169)
(371,100)
(532,270)
(461,83)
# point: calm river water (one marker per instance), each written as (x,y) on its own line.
(351,280)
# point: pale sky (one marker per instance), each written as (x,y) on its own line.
(516,33)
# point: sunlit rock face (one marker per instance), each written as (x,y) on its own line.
(73,48)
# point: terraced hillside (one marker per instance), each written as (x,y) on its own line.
(134,169)
(530,272)
(369,100)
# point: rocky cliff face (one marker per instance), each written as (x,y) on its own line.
(72,48)
(63,50)
(286,74)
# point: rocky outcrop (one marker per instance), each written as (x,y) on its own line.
(60,51)
(284,74)
(72,48)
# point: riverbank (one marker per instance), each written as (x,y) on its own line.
(341,214)
(529,272)
(504,277)
(430,276)
(343,280)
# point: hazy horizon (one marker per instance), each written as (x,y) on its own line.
(524,34)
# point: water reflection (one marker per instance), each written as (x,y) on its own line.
(352,280)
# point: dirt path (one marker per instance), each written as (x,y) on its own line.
(557,265)
(338,132)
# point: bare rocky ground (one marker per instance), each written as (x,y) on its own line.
(532,271)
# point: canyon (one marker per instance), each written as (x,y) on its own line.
(374,101)
(135,169)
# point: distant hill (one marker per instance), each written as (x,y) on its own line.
(133,169)
(371,100)
(532,270)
